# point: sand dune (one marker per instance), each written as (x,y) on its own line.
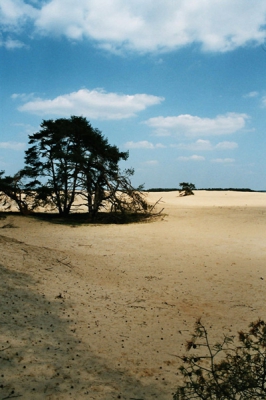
(102,311)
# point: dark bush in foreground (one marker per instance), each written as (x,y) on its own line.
(225,370)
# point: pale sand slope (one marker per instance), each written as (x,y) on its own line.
(100,312)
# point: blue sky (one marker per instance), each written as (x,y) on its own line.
(180,84)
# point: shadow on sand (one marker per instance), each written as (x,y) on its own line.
(42,355)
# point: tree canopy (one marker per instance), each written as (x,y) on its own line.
(70,154)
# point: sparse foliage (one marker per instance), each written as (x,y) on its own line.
(226,370)
(13,188)
(117,195)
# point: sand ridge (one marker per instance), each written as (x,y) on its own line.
(103,311)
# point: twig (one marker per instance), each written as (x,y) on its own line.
(155,204)
(5,348)
(171,305)
(137,307)
(8,226)
(66,264)
(12,397)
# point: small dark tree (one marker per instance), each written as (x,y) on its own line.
(225,371)
(186,188)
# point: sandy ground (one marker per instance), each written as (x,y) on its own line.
(103,311)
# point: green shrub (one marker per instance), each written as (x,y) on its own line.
(225,370)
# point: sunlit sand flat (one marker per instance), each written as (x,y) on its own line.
(103,311)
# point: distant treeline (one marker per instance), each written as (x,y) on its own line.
(209,189)
(232,189)
(161,190)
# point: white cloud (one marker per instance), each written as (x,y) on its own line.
(264,101)
(151,162)
(199,145)
(144,26)
(15,16)
(144,144)
(251,94)
(12,146)
(23,96)
(10,43)
(205,145)
(15,13)
(26,129)
(190,125)
(191,158)
(95,104)
(223,160)
(226,146)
